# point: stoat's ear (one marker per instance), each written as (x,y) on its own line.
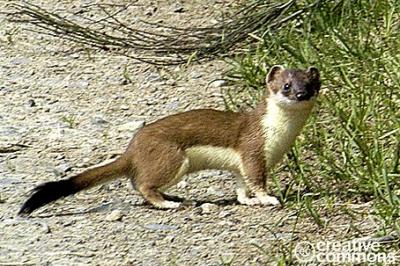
(276,69)
(313,73)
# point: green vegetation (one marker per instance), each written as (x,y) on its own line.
(350,150)
(70,120)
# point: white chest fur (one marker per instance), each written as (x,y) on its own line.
(281,126)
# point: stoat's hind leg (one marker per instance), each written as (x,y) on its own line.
(157,200)
(160,170)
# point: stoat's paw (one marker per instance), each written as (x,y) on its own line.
(266,199)
(168,205)
(249,201)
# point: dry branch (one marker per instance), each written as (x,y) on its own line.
(157,43)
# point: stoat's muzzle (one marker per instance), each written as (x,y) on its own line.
(304,93)
(303,96)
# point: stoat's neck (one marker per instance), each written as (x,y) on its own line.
(275,112)
(280,126)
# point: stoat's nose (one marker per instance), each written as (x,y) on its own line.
(303,96)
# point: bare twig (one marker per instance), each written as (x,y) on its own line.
(157,43)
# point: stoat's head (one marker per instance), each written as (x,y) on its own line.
(293,88)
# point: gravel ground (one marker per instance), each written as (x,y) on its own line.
(62,111)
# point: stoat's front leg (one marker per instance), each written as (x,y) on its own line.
(266,199)
(252,181)
(261,195)
(243,194)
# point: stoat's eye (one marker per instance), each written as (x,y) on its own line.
(286,87)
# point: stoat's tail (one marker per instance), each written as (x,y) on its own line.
(52,191)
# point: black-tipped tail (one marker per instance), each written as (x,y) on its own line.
(46,193)
(52,191)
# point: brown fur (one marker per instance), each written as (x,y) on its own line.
(158,156)
(158,150)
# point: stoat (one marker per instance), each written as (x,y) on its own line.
(246,143)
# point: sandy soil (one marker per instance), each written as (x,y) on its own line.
(62,111)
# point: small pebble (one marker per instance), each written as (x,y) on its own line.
(196,75)
(224,214)
(179,9)
(161,227)
(182,184)
(150,11)
(218,83)
(170,82)
(153,77)
(207,208)
(99,121)
(131,126)
(62,169)
(212,191)
(31,103)
(115,215)
(20,61)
